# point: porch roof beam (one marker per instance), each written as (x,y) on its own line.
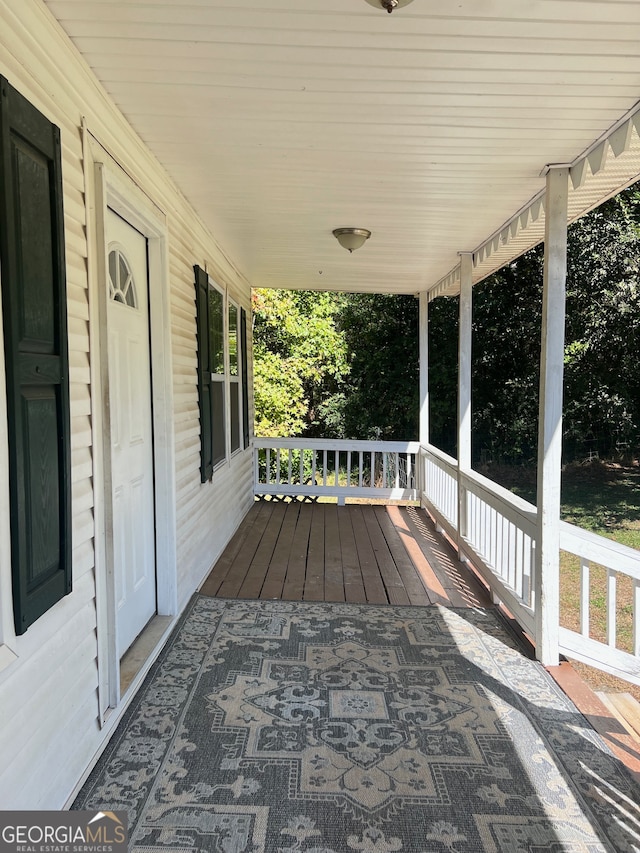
(607,166)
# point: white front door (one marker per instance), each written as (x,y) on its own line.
(131,430)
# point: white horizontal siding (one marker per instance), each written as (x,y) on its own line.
(48,695)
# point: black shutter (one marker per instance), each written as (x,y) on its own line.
(204,374)
(245,374)
(34,306)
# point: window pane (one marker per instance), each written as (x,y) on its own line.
(217,417)
(233,340)
(216,331)
(235,415)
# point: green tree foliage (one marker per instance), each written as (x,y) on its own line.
(507,317)
(505,354)
(443,373)
(300,362)
(381,333)
(602,380)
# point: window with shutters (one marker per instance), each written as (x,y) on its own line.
(222,375)
(218,374)
(34,311)
(235,402)
(245,378)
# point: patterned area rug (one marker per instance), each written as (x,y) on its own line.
(322,728)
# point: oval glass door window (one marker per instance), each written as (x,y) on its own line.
(121,285)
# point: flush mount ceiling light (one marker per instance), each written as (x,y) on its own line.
(389,5)
(351,238)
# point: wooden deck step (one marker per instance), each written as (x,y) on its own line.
(625,709)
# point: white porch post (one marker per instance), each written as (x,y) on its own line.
(423,335)
(423,349)
(547,580)
(464,390)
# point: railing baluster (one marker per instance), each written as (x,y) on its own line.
(513,556)
(611,608)
(268,467)
(533,576)
(348,469)
(518,561)
(483,545)
(585,584)
(506,550)
(635,615)
(278,467)
(361,468)
(313,466)
(290,469)
(324,467)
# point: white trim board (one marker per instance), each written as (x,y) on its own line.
(108,185)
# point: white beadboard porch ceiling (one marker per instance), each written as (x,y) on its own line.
(283,119)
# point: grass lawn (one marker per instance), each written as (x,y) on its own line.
(604,498)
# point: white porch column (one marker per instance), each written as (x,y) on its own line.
(423,338)
(464,389)
(547,580)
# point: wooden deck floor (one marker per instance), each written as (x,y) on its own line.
(357,553)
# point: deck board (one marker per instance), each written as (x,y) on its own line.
(405,564)
(333,573)
(242,546)
(389,573)
(293,588)
(277,571)
(314,578)
(353,583)
(374,585)
(357,553)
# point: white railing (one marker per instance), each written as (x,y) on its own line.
(440,487)
(491,527)
(336,468)
(611,571)
(496,530)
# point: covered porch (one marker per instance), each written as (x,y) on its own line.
(460,137)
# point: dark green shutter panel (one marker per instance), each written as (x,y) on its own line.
(204,374)
(34,305)
(245,374)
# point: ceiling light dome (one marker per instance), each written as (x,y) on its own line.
(389,5)
(351,238)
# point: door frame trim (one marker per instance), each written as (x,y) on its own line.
(108,185)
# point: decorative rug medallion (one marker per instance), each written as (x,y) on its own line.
(278,727)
